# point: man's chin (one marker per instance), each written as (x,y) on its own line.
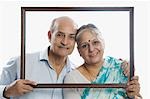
(62,54)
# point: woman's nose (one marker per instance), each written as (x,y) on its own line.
(91,47)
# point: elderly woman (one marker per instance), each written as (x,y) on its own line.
(97,69)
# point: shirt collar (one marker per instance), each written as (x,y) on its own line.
(44,57)
(44,54)
(69,65)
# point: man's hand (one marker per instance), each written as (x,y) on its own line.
(19,87)
(126,68)
(133,87)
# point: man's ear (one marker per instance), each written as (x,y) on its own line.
(49,35)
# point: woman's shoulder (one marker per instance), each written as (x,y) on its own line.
(73,72)
(112,62)
(71,76)
(110,59)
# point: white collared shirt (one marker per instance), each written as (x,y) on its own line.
(38,69)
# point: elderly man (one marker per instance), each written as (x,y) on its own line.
(52,64)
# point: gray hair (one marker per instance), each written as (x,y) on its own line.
(52,27)
(93,29)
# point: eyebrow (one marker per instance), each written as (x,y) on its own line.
(64,33)
(81,43)
(60,32)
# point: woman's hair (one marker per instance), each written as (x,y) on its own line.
(91,28)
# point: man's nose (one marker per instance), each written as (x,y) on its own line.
(64,40)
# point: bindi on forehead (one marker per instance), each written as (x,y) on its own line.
(89,40)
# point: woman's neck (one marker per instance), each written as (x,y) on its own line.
(94,67)
(91,71)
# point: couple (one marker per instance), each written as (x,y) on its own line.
(53,64)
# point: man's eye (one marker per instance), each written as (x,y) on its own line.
(58,34)
(72,37)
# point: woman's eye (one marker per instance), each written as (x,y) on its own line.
(96,42)
(84,46)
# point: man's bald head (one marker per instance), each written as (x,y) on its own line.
(64,20)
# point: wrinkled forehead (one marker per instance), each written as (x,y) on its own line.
(62,22)
(65,26)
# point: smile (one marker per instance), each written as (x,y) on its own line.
(94,54)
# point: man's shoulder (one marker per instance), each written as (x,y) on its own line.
(12,61)
(32,54)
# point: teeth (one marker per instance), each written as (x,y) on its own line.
(93,54)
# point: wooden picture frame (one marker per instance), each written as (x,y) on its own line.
(130,10)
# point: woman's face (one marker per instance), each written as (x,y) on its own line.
(90,47)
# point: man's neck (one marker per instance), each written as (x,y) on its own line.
(58,62)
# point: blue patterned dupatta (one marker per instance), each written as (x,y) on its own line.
(111,72)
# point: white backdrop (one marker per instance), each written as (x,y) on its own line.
(10,28)
(114,26)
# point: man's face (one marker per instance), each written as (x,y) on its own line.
(63,38)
